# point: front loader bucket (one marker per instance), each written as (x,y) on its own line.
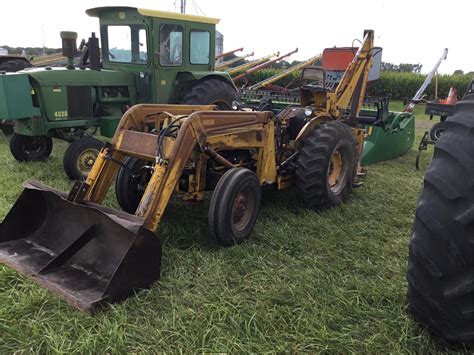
(88,254)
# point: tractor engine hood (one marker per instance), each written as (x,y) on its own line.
(51,87)
(80,77)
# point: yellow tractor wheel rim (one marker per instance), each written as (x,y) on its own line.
(86,161)
(335,169)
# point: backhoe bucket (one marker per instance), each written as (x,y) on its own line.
(88,254)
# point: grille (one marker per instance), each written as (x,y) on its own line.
(79,101)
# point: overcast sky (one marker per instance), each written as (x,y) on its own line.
(409,31)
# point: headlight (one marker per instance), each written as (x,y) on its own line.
(308,111)
(235,105)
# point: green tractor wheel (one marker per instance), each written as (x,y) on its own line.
(80,156)
(27,148)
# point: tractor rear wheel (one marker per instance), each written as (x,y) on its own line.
(30,148)
(326,165)
(234,206)
(211,92)
(131,184)
(441,249)
(437,130)
(80,156)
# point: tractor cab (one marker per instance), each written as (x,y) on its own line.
(159,48)
(145,56)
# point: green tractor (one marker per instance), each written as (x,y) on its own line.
(146,56)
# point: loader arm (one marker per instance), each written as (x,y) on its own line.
(198,129)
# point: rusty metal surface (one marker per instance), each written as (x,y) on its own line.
(141,145)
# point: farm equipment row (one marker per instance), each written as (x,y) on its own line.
(71,103)
(92,255)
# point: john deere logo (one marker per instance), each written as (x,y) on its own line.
(121,15)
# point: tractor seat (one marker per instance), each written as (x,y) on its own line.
(315,88)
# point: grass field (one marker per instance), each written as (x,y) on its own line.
(332,281)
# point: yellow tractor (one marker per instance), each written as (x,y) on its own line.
(92,255)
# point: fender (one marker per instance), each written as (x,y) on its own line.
(308,127)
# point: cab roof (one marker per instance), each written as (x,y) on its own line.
(96,12)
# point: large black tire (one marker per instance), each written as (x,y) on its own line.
(129,187)
(80,156)
(234,206)
(27,148)
(437,130)
(326,165)
(211,91)
(441,250)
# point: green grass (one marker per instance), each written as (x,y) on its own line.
(332,281)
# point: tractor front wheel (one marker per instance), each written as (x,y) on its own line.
(326,165)
(211,92)
(28,148)
(234,206)
(80,156)
(131,183)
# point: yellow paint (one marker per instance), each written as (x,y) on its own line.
(336,168)
(163,82)
(177,16)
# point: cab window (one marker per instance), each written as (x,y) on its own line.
(171,45)
(126,44)
(200,43)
